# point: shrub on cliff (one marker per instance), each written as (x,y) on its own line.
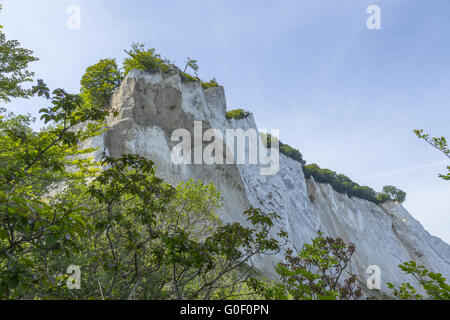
(99,82)
(144,59)
(211,84)
(394,193)
(291,153)
(339,182)
(237,114)
(285,149)
(383,197)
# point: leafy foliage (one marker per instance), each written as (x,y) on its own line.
(344,184)
(186,77)
(434,284)
(211,84)
(134,235)
(237,114)
(99,82)
(14,62)
(177,248)
(33,223)
(394,193)
(292,153)
(148,60)
(339,182)
(438,143)
(145,59)
(285,149)
(313,274)
(192,64)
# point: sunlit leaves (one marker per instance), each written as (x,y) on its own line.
(434,284)
(99,82)
(438,143)
(314,273)
(144,59)
(14,62)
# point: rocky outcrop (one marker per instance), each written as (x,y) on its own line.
(152,105)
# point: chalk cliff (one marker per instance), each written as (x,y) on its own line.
(152,105)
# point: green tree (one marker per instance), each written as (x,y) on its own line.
(237,114)
(173,247)
(285,149)
(14,72)
(211,84)
(99,82)
(145,59)
(315,273)
(438,143)
(394,193)
(341,183)
(134,235)
(190,63)
(383,197)
(434,284)
(32,222)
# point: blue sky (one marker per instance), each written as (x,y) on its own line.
(346,96)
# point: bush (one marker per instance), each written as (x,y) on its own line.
(188,78)
(434,284)
(344,184)
(314,273)
(237,114)
(99,82)
(340,183)
(191,64)
(211,84)
(145,59)
(394,193)
(14,62)
(285,149)
(382,197)
(148,60)
(292,153)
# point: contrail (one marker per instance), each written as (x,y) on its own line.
(404,170)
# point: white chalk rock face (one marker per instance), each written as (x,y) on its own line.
(152,105)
